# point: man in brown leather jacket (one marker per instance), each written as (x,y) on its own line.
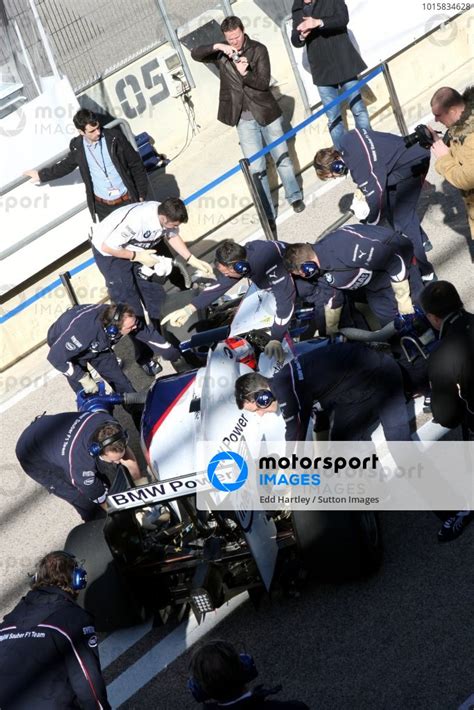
(246,101)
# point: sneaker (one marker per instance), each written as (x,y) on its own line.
(455,525)
(152,368)
(427,246)
(298,206)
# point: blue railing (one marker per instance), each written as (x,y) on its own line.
(209,186)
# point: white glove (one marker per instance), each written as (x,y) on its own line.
(202,266)
(274,349)
(359,206)
(163,266)
(88,384)
(147,257)
(332,317)
(179,317)
(401,289)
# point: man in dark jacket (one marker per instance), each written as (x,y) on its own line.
(49,656)
(221,674)
(246,101)
(85,335)
(390,177)
(375,259)
(110,167)
(321,26)
(63,453)
(451,374)
(355,385)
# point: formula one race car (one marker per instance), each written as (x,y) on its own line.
(156,551)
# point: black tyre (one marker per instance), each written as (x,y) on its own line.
(338,545)
(107,596)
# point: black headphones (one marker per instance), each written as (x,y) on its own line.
(96,448)
(113,328)
(79,575)
(249,673)
(263,398)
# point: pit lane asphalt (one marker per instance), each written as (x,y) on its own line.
(400,640)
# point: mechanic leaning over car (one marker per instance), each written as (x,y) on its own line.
(125,249)
(378,260)
(355,384)
(390,176)
(49,656)
(86,335)
(65,453)
(262,263)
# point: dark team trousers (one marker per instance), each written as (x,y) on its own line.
(107,366)
(356,419)
(401,202)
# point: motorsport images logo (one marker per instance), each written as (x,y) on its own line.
(227,471)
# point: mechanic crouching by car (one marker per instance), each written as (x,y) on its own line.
(355,385)
(86,335)
(220,678)
(125,247)
(390,176)
(65,453)
(49,656)
(375,259)
(451,375)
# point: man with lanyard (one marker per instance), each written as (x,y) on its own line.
(112,170)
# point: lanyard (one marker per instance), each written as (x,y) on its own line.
(103,166)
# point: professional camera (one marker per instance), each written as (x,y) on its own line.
(235,56)
(421,135)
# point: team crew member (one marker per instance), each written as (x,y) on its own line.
(127,241)
(376,259)
(62,452)
(85,335)
(221,674)
(261,262)
(112,170)
(451,374)
(390,176)
(49,656)
(356,386)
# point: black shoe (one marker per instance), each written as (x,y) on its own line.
(427,246)
(298,206)
(455,525)
(152,368)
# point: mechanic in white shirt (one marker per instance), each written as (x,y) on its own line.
(125,249)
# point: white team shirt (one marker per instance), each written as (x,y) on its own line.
(136,227)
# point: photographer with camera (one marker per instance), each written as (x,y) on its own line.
(390,175)
(49,655)
(455,161)
(246,102)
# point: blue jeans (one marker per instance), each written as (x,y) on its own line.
(356,105)
(253,137)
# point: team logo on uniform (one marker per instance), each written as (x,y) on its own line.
(92,642)
(329,278)
(94,346)
(70,346)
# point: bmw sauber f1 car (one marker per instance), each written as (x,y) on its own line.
(156,551)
